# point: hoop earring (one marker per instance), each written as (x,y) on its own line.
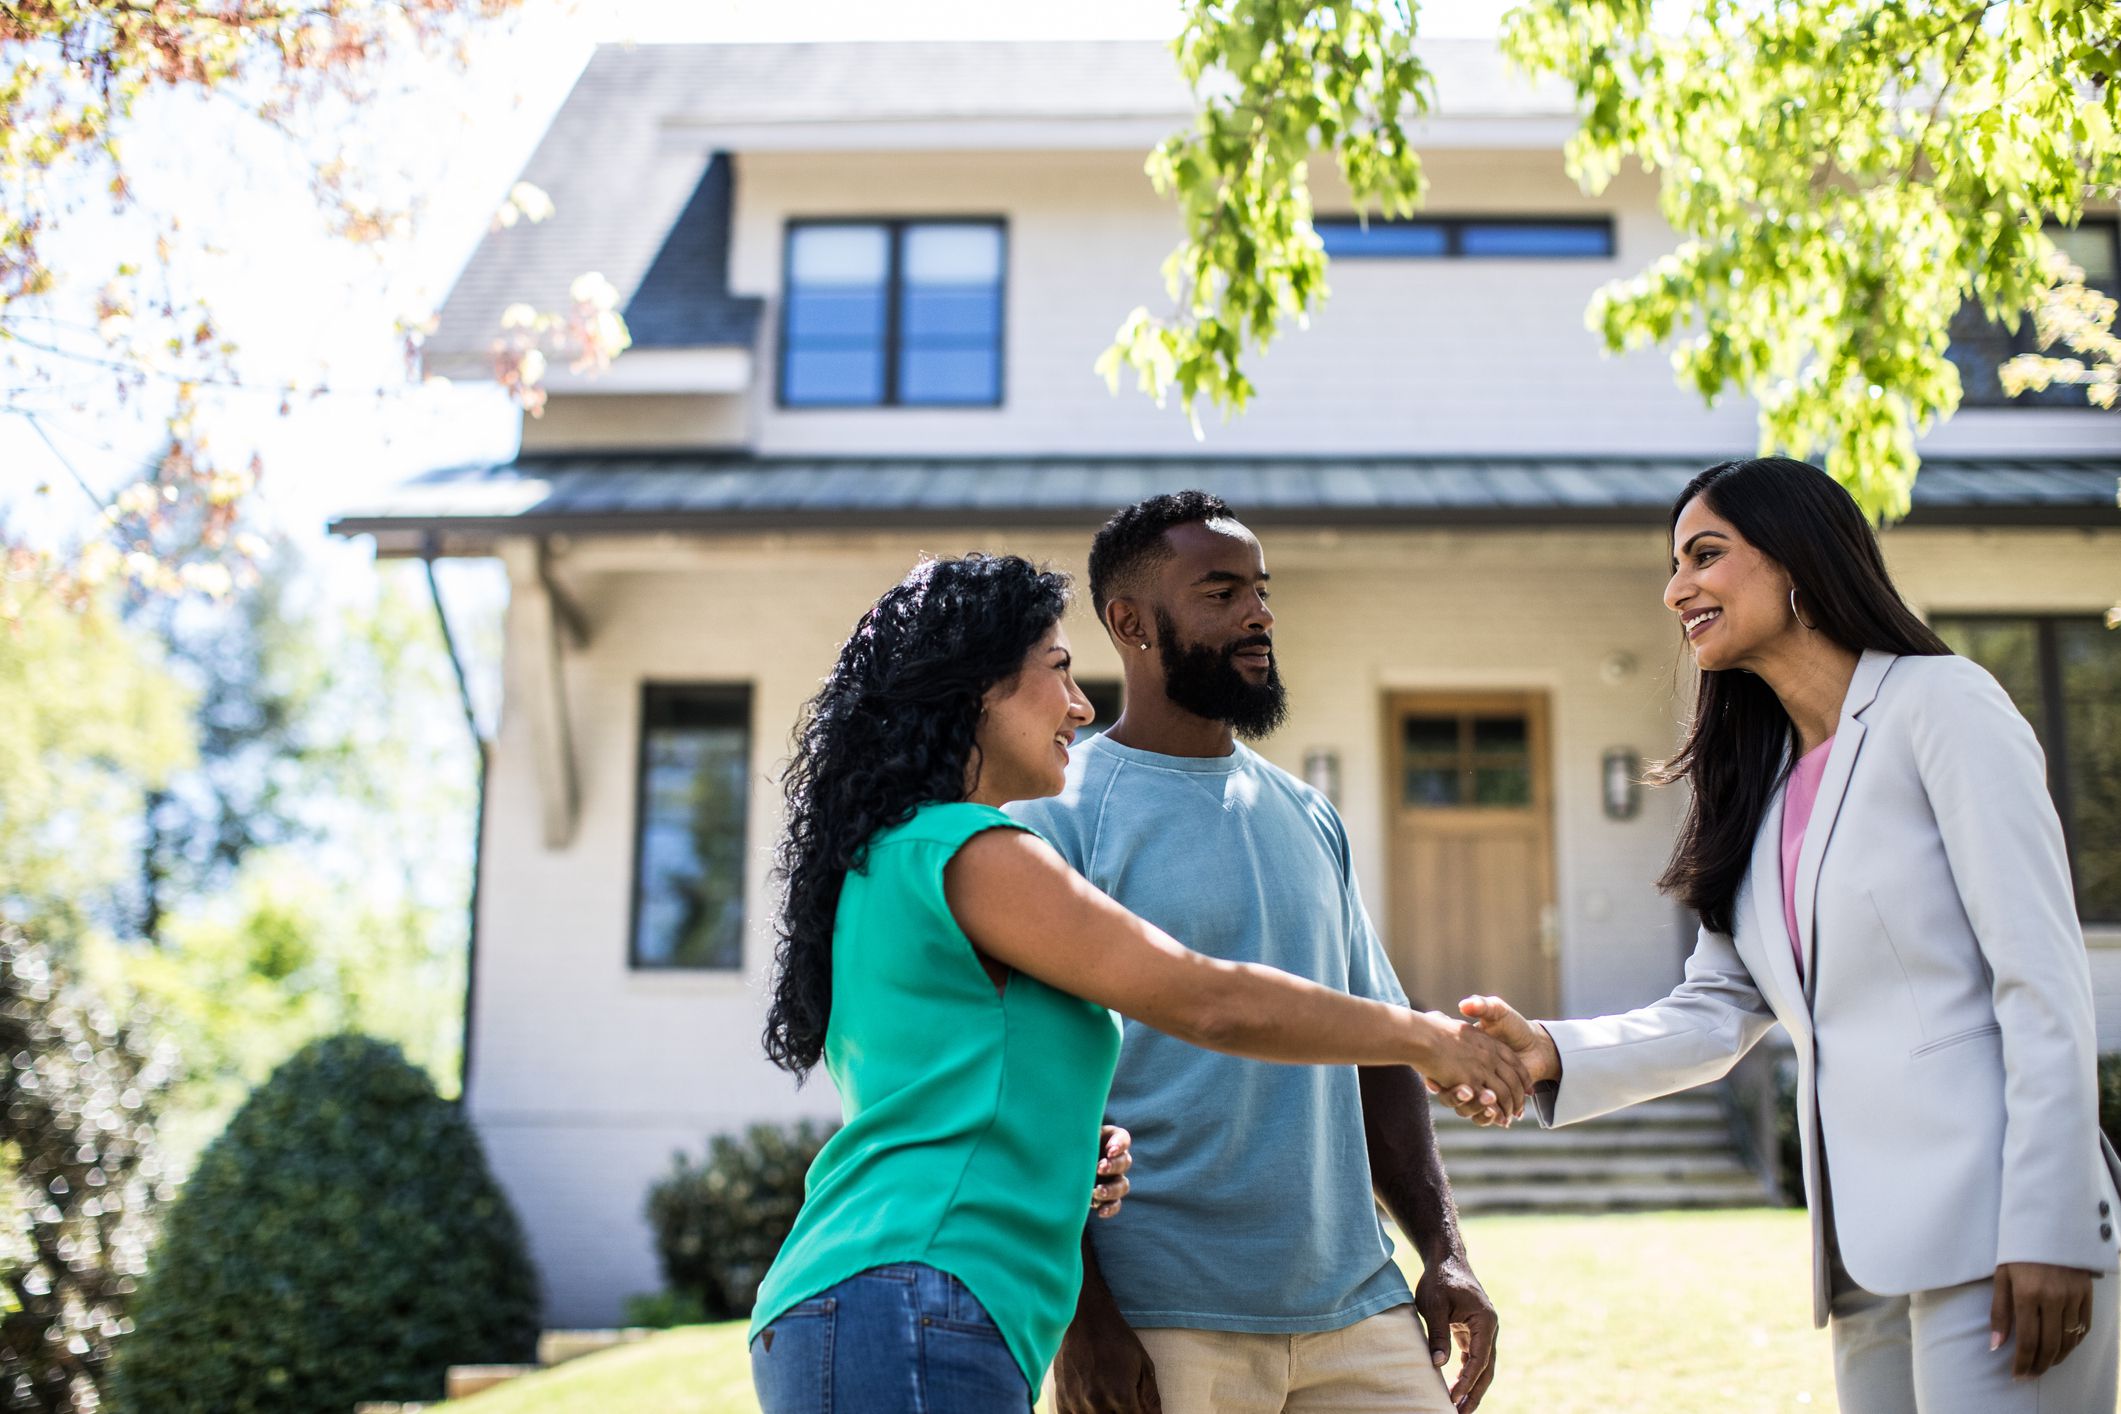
(1810,628)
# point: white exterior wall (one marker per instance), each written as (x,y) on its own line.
(587,1075)
(1407,357)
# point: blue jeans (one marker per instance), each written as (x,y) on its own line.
(903,1339)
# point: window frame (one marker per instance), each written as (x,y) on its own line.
(2053,728)
(1454,235)
(742,699)
(894,228)
(2024,340)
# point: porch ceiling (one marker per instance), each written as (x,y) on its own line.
(622,493)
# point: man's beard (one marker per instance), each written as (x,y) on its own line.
(1208,683)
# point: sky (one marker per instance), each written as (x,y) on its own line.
(304,304)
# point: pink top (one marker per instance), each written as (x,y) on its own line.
(1796,814)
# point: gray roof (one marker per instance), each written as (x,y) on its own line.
(684,301)
(633,493)
(630,146)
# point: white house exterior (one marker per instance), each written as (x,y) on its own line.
(1460,495)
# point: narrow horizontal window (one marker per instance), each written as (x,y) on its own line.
(693,796)
(1467,238)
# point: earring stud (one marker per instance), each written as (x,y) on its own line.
(1145,648)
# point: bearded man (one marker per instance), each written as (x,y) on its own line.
(1248,1272)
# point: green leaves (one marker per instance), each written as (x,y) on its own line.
(1843,178)
(343,1240)
(1278,80)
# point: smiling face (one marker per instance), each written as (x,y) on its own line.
(1026,724)
(1733,602)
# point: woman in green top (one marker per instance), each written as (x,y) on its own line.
(954,975)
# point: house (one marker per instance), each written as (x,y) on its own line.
(867,284)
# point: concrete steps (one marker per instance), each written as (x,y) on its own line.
(1677,1152)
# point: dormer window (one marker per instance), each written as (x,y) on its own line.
(892,314)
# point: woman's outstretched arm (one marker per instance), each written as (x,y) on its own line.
(1020,904)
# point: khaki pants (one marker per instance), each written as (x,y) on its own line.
(1376,1366)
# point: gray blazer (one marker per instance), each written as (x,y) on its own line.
(1945,1051)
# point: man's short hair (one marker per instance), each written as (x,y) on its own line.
(1133,540)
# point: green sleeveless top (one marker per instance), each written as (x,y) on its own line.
(972,1117)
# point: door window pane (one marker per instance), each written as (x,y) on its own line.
(1432,734)
(1432,785)
(1466,759)
(2090,662)
(689,860)
(1499,734)
(1502,785)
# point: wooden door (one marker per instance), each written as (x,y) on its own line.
(1472,849)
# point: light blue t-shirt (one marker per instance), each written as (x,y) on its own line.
(1251,1207)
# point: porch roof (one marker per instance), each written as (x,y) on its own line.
(455,509)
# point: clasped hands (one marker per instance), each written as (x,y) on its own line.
(1488,1063)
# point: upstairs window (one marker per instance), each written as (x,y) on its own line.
(893,314)
(1981,347)
(1467,238)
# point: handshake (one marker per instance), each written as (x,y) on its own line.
(1486,1064)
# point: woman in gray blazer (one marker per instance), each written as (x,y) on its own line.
(1876,864)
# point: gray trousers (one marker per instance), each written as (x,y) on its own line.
(1928,1354)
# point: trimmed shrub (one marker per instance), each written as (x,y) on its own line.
(665,1310)
(719,1225)
(342,1240)
(77,1089)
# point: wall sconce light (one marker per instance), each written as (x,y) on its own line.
(1620,772)
(1322,773)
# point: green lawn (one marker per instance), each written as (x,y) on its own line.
(1673,1312)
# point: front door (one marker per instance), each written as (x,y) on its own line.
(1472,849)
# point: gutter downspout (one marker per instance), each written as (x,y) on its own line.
(478,839)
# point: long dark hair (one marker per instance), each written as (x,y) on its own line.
(1736,744)
(891,730)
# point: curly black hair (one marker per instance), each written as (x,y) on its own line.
(890,731)
(1134,538)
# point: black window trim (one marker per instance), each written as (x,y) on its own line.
(1454,233)
(2054,723)
(2111,221)
(895,230)
(741,697)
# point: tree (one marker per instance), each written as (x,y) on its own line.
(72,73)
(342,1240)
(91,724)
(308,874)
(76,1121)
(1843,176)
